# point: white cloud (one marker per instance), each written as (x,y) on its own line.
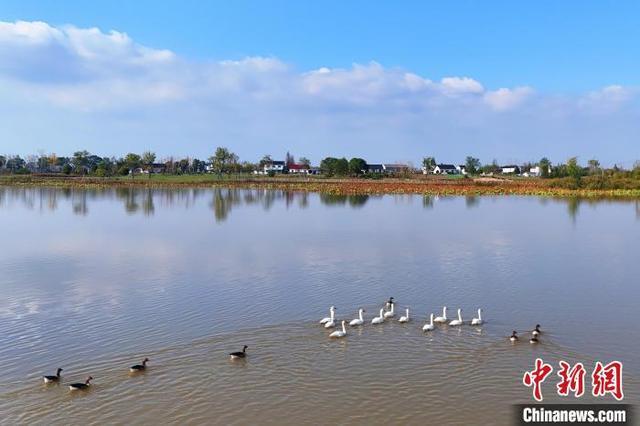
(458,85)
(504,99)
(66,87)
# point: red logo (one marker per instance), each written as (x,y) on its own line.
(605,379)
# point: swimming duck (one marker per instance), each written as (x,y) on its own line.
(536,330)
(238,355)
(53,379)
(81,386)
(389,303)
(514,336)
(139,367)
(534,339)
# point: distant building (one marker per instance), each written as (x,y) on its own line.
(462,169)
(395,168)
(375,168)
(510,170)
(157,168)
(537,171)
(298,168)
(445,169)
(272,167)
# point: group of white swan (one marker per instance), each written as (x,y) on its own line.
(330,321)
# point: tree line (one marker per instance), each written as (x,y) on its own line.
(224,161)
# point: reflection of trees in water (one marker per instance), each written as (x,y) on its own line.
(471,201)
(79,203)
(427,201)
(144,200)
(338,199)
(573,206)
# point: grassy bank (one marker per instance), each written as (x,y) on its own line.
(416,185)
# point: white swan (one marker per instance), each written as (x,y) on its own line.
(478,321)
(405,318)
(430,326)
(339,333)
(443,318)
(380,319)
(457,321)
(329,318)
(359,320)
(391,313)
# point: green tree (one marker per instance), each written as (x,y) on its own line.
(594,166)
(342,167)
(148,158)
(331,166)
(79,161)
(357,166)
(472,165)
(3,161)
(132,161)
(545,166)
(573,168)
(304,161)
(428,163)
(223,161)
(66,169)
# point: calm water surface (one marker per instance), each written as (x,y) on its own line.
(93,281)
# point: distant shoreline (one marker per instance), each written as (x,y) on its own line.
(339,186)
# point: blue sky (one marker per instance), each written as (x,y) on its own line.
(553,78)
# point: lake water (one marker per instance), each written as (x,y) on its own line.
(94,281)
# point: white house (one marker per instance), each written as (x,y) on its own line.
(537,171)
(462,169)
(271,167)
(445,169)
(298,169)
(510,170)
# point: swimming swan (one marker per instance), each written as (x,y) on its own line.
(332,320)
(391,313)
(443,318)
(406,317)
(339,333)
(380,319)
(359,320)
(458,321)
(329,318)
(430,326)
(477,321)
